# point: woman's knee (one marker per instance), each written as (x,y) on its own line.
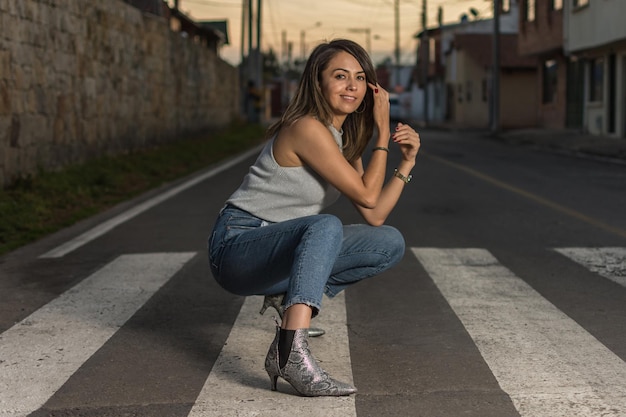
(328,226)
(329,221)
(394,241)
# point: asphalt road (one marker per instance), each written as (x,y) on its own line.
(510,301)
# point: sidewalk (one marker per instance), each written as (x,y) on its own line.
(568,141)
(555,140)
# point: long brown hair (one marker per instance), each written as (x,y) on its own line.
(309,100)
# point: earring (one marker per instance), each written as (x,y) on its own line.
(363,109)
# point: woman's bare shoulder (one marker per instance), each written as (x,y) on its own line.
(307,126)
(295,139)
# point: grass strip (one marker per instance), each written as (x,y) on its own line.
(38,205)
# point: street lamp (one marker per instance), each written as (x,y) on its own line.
(368,37)
(302,43)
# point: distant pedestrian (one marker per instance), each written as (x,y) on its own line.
(270,238)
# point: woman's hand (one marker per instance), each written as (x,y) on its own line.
(381,105)
(409,141)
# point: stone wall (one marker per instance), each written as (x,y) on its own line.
(82,78)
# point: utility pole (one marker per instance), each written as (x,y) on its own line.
(302,40)
(255,61)
(259,56)
(244,7)
(495,79)
(243,79)
(250,62)
(368,37)
(396,9)
(283,48)
(426,58)
(252,68)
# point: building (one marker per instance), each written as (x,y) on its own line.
(595,34)
(559,101)
(469,83)
(213,34)
(455,67)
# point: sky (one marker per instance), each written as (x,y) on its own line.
(329,19)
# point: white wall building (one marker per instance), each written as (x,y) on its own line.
(595,32)
(438,85)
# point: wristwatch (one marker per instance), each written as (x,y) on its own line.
(397,174)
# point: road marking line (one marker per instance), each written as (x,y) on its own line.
(239,386)
(607,262)
(110,224)
(40,353)
(543,201)
(546,362)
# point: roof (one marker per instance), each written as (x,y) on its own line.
(480,47)
(452,26)
(220,26)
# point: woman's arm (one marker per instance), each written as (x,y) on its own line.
(309,142)
(409,142)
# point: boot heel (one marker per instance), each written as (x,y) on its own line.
(302,371)
(263,309)
(274,301)
(273,381)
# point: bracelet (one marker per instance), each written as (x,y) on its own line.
(397,174)
(380,148)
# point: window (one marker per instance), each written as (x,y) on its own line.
(580,3)
(556,4)
(468,91)
(549,81)
(459,94)
(596,79)
(529,11)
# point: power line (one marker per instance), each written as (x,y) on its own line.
(376,15)
(271,13)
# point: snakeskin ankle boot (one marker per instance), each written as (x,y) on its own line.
(302,370)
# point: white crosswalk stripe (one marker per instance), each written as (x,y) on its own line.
(546,362)
(607,262)
(40,353)
(239,386)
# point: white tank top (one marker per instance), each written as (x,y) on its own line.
(275,193)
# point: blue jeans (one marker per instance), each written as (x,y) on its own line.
(304,257)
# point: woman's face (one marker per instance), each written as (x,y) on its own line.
(343,85)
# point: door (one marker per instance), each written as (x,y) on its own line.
(612,93)
(623,95)
(575,94)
